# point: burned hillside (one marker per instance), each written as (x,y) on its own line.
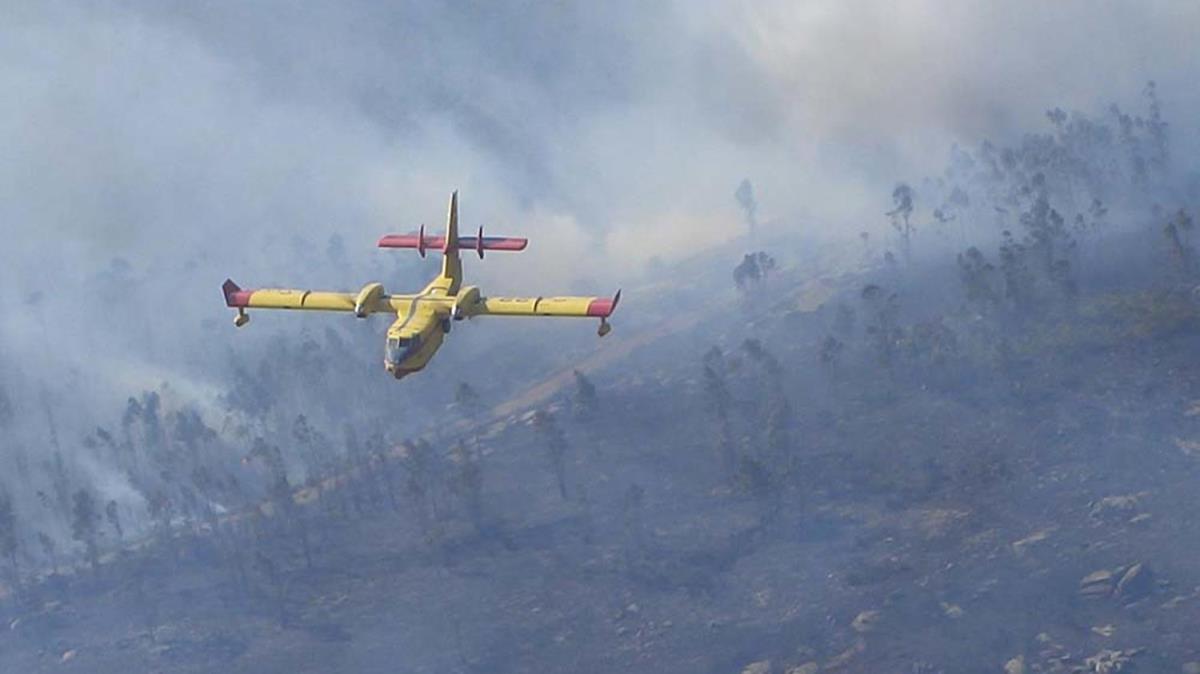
(963,441)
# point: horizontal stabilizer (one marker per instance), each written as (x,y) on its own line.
(493,242)
(479,243)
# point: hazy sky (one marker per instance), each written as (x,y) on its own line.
(197,140)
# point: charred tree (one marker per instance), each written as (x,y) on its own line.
(9,538)
(468,484)
(584,400)
(720,402)
(49,550)
(556,447)
(85,521)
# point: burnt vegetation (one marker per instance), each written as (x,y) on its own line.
(973,454)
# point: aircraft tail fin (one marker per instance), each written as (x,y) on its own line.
(451,264)
(450,241)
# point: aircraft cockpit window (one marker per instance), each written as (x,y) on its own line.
(399,348)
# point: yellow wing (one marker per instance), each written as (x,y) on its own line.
(369,300)
(284,298)
(594,307)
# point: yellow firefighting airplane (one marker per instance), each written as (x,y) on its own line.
(423,320)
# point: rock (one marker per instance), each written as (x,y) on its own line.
(1109,661)
(813,668)
(1175,601)
(1189,447)
(1015,666)
(1097,584)
(842,659)
(760,667)
(1136,583)
(937,523)
(984,589)
(866,621)
(1021,546)
(1050,651)
(1111,507)
(762,598)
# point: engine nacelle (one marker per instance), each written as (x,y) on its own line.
(368,298)
(465,303)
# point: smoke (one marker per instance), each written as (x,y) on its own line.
(145,124)
(152,149)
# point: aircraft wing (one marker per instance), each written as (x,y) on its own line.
(594,307)
(371,299)
(286,298)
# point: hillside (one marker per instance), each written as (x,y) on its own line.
(969,447)
(935,515)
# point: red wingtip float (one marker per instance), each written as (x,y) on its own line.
(231,291)
(238,299)
(423,319)
(603,307)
